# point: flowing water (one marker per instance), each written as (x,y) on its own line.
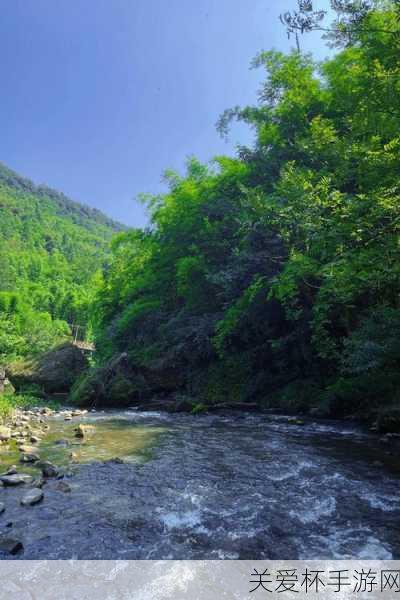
(245,486)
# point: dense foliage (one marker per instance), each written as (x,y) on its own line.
(275,276)
(50,251)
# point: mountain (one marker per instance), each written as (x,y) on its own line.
(51,251)
(80,214)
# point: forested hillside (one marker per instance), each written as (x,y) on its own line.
(274,277)
(50,251)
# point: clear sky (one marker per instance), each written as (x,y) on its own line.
(100,96)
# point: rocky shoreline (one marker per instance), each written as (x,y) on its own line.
(24,430)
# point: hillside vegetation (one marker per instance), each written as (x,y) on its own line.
(50,251)
(274,277)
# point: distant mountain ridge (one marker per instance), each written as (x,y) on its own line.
(76,211)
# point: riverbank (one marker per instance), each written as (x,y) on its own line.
(23,428)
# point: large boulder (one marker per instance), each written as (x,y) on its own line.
(122,383)
(53,372)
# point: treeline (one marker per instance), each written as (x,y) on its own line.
(50,251)
(275,277)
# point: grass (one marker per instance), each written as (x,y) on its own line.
(10,402)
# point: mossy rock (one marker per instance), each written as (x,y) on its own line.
(121,383)
(53,372)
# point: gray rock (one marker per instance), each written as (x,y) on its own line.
(2,507)
(29,457)
(62,486)
(10,545)
(32,497)
(48,469)
(16,479)
(55,371)
(12,470)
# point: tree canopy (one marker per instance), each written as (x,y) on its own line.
(276,274)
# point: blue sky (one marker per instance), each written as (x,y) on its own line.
(100,96)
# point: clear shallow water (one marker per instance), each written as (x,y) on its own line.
(235,486)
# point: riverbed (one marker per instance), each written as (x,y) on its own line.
(231,486)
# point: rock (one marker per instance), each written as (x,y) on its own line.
(295,421)
(82,430)
(62,486)
(10,545)
(54,371)
(38,482)
(78,413)
(32,497)
(121,382)
(48,469)
(26,449)
(34,439)
(12,470)
(69,418)
(6,387)
(16,479)
(61,442)
(5,433)
(115,461)
(29,457)
(2,508)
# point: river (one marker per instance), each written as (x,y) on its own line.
(233,486)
